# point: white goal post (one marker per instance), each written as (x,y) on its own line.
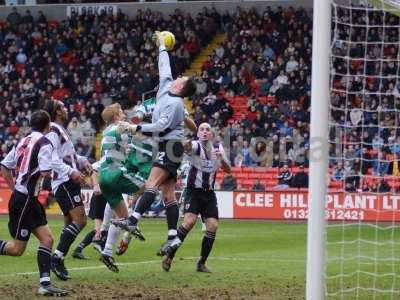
(318,149)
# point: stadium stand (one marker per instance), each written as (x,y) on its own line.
(87,62)
(253,81)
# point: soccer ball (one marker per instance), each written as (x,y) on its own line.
(169,39)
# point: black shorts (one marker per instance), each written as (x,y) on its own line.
(97,206)
(199,201)
(169,157)
(26,213)
(68,196)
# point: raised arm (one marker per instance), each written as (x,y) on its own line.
(167,117)
(164,66)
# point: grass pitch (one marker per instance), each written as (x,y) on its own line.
(250,260)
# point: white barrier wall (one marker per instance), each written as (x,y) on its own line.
(291,204)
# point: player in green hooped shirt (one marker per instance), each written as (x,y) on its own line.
(124,166)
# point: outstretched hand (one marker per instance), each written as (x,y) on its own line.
(158,39)
(125,127)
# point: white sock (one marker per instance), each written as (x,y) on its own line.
(126,237)
(108,213)
(59,254)
(112,237)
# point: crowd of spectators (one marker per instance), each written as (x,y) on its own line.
(365,132)
(90,61)
(266,53)
(86,61)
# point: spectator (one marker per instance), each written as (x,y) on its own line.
(349,187)
(21,57)
(380,165)
(258,187)
(338,172)
(383,186)
(394,166)
(284,177)
(245,153)
(365,188)
(75,129)
(14,18)
(229,183)
(300,179)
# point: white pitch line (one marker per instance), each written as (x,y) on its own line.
(158,261)
(85,268)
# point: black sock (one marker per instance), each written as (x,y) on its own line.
(3,247)
(103,238)
(182,233)
(43,261)
(104,233)
(206,246)
(143,204)
(86,241)
(172,211)
(67,237)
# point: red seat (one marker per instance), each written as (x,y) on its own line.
(270,183)
(336,184)
(220,175)
(253,175)
(248,182)
(265,176)
(240,175)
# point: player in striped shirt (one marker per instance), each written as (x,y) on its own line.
(205,159)
(66,184)
(31,160)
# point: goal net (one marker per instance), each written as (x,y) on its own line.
(362,258)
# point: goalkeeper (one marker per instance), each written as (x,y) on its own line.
(167,123)
(143,113)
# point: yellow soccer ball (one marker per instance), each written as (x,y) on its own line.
(169,39)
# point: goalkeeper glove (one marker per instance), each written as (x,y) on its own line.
(158,39)
(125,127)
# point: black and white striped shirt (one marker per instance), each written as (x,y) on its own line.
(31,156)
(203,166)
(65,158)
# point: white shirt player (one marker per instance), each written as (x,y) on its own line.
(64,157)
(203,166)
(32,155)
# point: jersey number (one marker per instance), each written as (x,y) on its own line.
(23,153)
(160,156)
